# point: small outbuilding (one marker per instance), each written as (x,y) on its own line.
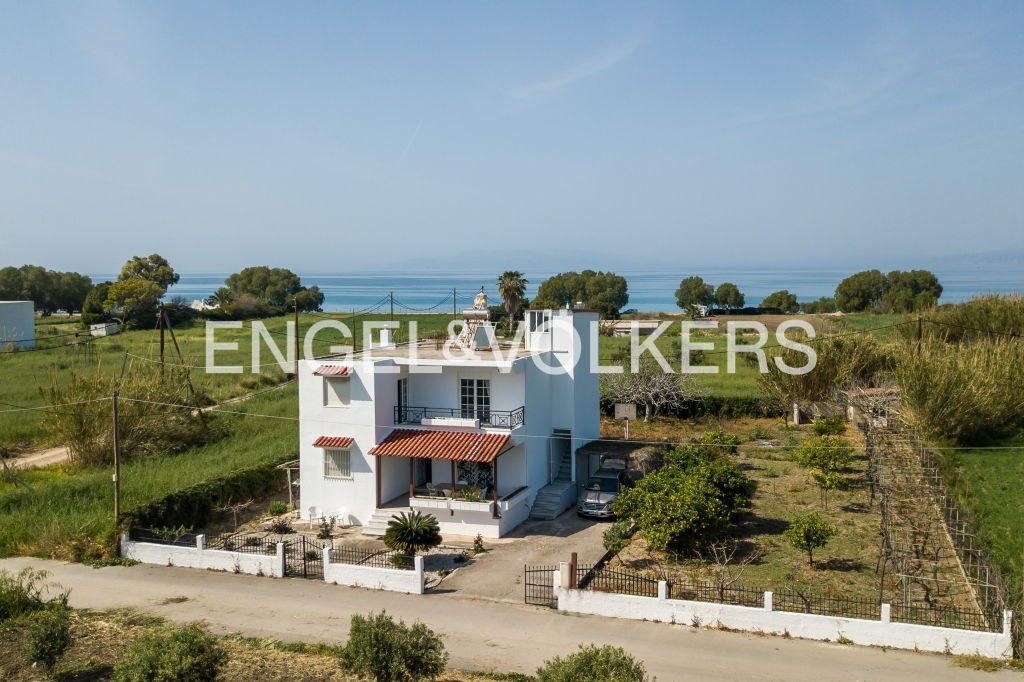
(17,324)
(103,329)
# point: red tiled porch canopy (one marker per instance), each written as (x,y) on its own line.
(457,446)
(332,442)
(331,371)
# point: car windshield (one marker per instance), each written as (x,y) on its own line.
(603,485)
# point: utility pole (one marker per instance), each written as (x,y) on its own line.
(920,334)
(455,304)
(391,298)
(160,325)
(117,466)
(295,303)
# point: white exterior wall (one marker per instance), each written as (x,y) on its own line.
(270,565)
(353,500)
(803,625)
(390,579)
(551,401)
(17,324)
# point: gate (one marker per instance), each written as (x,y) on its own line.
(304,558)
(538,586)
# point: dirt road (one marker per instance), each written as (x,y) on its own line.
(480,635)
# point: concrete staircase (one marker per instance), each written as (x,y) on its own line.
(557,496)
(378,523)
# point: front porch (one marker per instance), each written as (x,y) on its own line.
(472,483)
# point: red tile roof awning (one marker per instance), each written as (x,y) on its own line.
(454,445)
(332,442)
(332,371)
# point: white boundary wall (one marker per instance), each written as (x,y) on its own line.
(807,626)
(390,579)
(272,565)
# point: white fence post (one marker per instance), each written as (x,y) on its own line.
(200,542)
(886,613)
(280,560)
(417,565)
(1007,620)
(769,601)
(327,562)
(563,575)
(662,590)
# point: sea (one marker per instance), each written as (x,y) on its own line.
(649,290)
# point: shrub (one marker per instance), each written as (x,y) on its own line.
(23,594)
(965,393)
(824,453)
(616,537)
(280,526)
(184,654)
(829,426)
(718,443)
(326,528)
(411,532)
(593,664)
(761,433)
(48,635)
(193,506)
(277,507)
(808,532)
(380,649)
(478,544)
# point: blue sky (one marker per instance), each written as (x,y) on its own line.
(342,136)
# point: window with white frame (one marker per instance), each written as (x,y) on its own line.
(540,321)
(337,391)
(337,463)
(475,398)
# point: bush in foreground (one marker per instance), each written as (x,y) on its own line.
(383,650)
(24,593)
(594,664)
(184,654)
(48,635)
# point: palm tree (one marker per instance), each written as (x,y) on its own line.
(412,532)
(512,288)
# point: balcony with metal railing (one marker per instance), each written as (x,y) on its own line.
(454,416)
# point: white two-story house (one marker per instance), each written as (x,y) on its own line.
(479,433)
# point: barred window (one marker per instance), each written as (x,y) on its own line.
(337,463)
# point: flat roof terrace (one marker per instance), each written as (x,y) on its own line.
(431,350)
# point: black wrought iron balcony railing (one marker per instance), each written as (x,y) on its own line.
(501,419)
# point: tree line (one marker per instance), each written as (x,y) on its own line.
(866,291)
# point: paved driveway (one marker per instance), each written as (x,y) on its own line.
(497,574)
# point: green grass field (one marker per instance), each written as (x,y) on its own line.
(995,498)
(64,504)
(24,373)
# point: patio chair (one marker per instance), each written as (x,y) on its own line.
(432,490)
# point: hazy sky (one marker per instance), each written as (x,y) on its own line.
(344,136)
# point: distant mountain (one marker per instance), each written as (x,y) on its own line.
(1005,258)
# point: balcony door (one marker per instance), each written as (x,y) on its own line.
(475,399)
(403,401)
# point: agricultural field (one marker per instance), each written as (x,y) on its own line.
(844,567)
(25,373)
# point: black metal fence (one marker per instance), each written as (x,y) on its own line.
(377,558)
(598,578)
(960,619)
(719,594)
(798,601)
(163,536)
(538,585)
